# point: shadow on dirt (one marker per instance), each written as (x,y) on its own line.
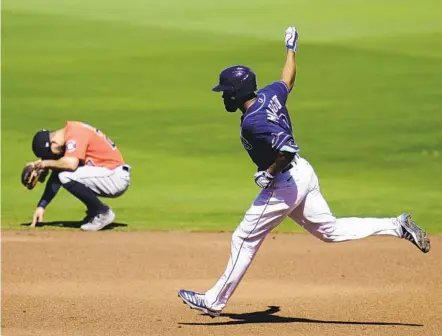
(267,316)
(73,224)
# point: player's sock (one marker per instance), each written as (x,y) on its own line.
(87,196)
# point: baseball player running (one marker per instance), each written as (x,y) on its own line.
(87,164)
(290,187)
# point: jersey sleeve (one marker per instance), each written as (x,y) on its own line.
(76,141)
(281,90)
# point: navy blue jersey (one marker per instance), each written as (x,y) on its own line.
(266,128)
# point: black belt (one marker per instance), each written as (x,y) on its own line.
(286,169)
(126,168)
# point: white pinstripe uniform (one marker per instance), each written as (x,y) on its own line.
(101,180)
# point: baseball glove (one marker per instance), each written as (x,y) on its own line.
(30,176)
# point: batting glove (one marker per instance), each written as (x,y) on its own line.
(291,38)
(263,179)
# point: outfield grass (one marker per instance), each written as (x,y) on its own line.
(366,109)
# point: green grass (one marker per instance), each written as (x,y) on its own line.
(366,110)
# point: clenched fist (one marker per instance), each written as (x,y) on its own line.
(291,38)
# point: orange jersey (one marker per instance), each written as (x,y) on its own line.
(90,146)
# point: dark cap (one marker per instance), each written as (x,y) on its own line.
(239,80)
(41,145)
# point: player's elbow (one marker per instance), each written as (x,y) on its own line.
(288,81)
(287,154)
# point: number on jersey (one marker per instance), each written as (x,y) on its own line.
(108,140)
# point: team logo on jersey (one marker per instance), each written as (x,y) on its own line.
(275,138)
(71,146)
(245,143)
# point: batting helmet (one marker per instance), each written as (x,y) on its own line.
(237,80)
(238,84)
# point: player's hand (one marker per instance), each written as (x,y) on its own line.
(38,216)
(38,164)
(264,179)
(291,38)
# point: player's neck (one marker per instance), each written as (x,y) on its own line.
(247,104)
(58,135)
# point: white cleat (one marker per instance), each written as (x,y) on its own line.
(100,221)
(197,301)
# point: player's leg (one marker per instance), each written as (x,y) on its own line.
(315,216)
(102,181)
(87,183)
(73,182)
(267,211)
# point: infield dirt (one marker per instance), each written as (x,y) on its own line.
(126,283)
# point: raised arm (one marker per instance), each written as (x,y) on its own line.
(289,71)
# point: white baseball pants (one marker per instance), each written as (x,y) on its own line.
(103,181)
(295,194)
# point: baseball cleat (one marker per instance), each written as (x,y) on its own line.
(100,221)
(412,232)
(196,301)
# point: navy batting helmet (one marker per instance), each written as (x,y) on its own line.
(238,83)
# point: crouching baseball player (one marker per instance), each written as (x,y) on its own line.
(290,187)
(86,163)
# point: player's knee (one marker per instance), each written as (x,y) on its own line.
(327,238)
(65,177)
(246,237)
(327,232)
(239,235)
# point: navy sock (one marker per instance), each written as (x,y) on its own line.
(87,196)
